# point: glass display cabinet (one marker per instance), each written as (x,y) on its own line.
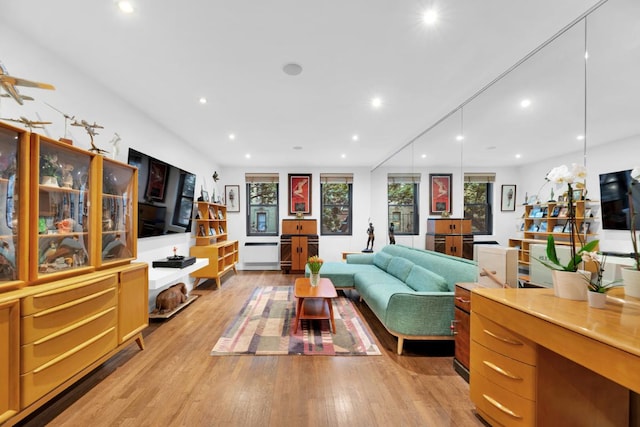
(62,178)
(13,149)
(119,200)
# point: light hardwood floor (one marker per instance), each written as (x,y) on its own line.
(175,382)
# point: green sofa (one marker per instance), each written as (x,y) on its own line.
(411,291)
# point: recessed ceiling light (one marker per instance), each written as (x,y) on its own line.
(248,156)
(580,137)
(202,100)
(344,156)
(232,136)
(518,156)
(297,147)
(525,103)
(376,102)
(424,156)
(355,137)
(459,137)
(292,69)
(125,6)
(430,16)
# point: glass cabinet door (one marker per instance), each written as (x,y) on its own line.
(118,211)
(11,224)
(63,176)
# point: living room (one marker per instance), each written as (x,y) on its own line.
(588,118)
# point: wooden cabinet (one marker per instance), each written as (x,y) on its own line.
(450,236)
(212,243)
(9,358)
(223,257)
(133,297)
(14,168)
(462,328)
(299,241)
(118,191)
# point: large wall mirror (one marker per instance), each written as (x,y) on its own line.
(581,86)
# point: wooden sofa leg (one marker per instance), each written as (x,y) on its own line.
(400,344)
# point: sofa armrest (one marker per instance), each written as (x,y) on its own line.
(359,258)
(420,313)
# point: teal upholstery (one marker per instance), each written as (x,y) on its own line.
(409,290)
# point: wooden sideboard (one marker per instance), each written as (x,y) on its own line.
(541,360)
(451,236)
(299,241)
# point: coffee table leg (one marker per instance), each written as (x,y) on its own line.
(298,309)
(333,323)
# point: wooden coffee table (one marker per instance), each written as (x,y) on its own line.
(314,302)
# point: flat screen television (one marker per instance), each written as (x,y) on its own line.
(614,200)
(165,196)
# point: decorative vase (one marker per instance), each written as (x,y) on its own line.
(631,281)
(314,279)
(49,180)
(570,284)
(596,299)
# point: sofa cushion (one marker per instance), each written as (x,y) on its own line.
(341,273)
(422,280)
(399,267)
(359,258)
(381,260)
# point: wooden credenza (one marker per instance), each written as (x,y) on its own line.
(540,360)
(462,327)
(451,236)
(299,241)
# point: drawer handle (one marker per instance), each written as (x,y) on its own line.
(73,303)
(501,371)
(503,339)
(76,286)
(463,300)
(501,407)
(73,327)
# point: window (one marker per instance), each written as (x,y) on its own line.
(262,204)
(184,202)
(336,199)
(478,195)
(402,199)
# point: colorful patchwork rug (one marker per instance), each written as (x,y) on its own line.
(264,326)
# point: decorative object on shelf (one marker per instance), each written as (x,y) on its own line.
(91,131)
(440,191)
(315,264)
(204,195)
(371,237)
(563,175)
(232,197)
(300,194)
(508,198)
(49,170)
(596,299)
(570,284)
(631,275)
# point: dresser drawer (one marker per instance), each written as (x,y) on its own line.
(463,299)
(518,377)
(502,340)
(58,318)
(37,383)
(501,405)
(44,350)
(65,294)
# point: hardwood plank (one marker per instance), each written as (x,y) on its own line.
(175,381)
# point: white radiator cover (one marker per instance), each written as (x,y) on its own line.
(255,254)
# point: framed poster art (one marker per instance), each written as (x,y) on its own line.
(300,194)
(440,191)
(156,181)
(232,197)
(508,198)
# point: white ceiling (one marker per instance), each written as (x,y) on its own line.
(168,54)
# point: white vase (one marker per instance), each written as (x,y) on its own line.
(49,180)
(631,281)
(570,284)
(596,299)
(314,279)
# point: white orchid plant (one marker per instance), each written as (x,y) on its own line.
(560,176)
(595,284)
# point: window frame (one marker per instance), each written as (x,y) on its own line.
(349,207)
(416,208)
(488,208)
(254,210)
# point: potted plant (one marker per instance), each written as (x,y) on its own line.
(595,285)
(631,275)
(567,280)
(49,169)
(315,264)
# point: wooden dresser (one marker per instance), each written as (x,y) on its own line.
(299,241)
(462,328)
(451,236)
(540,360)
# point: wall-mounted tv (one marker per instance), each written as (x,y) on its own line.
(165,196)
(614,200)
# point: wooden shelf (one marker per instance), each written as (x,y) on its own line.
(171,313)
